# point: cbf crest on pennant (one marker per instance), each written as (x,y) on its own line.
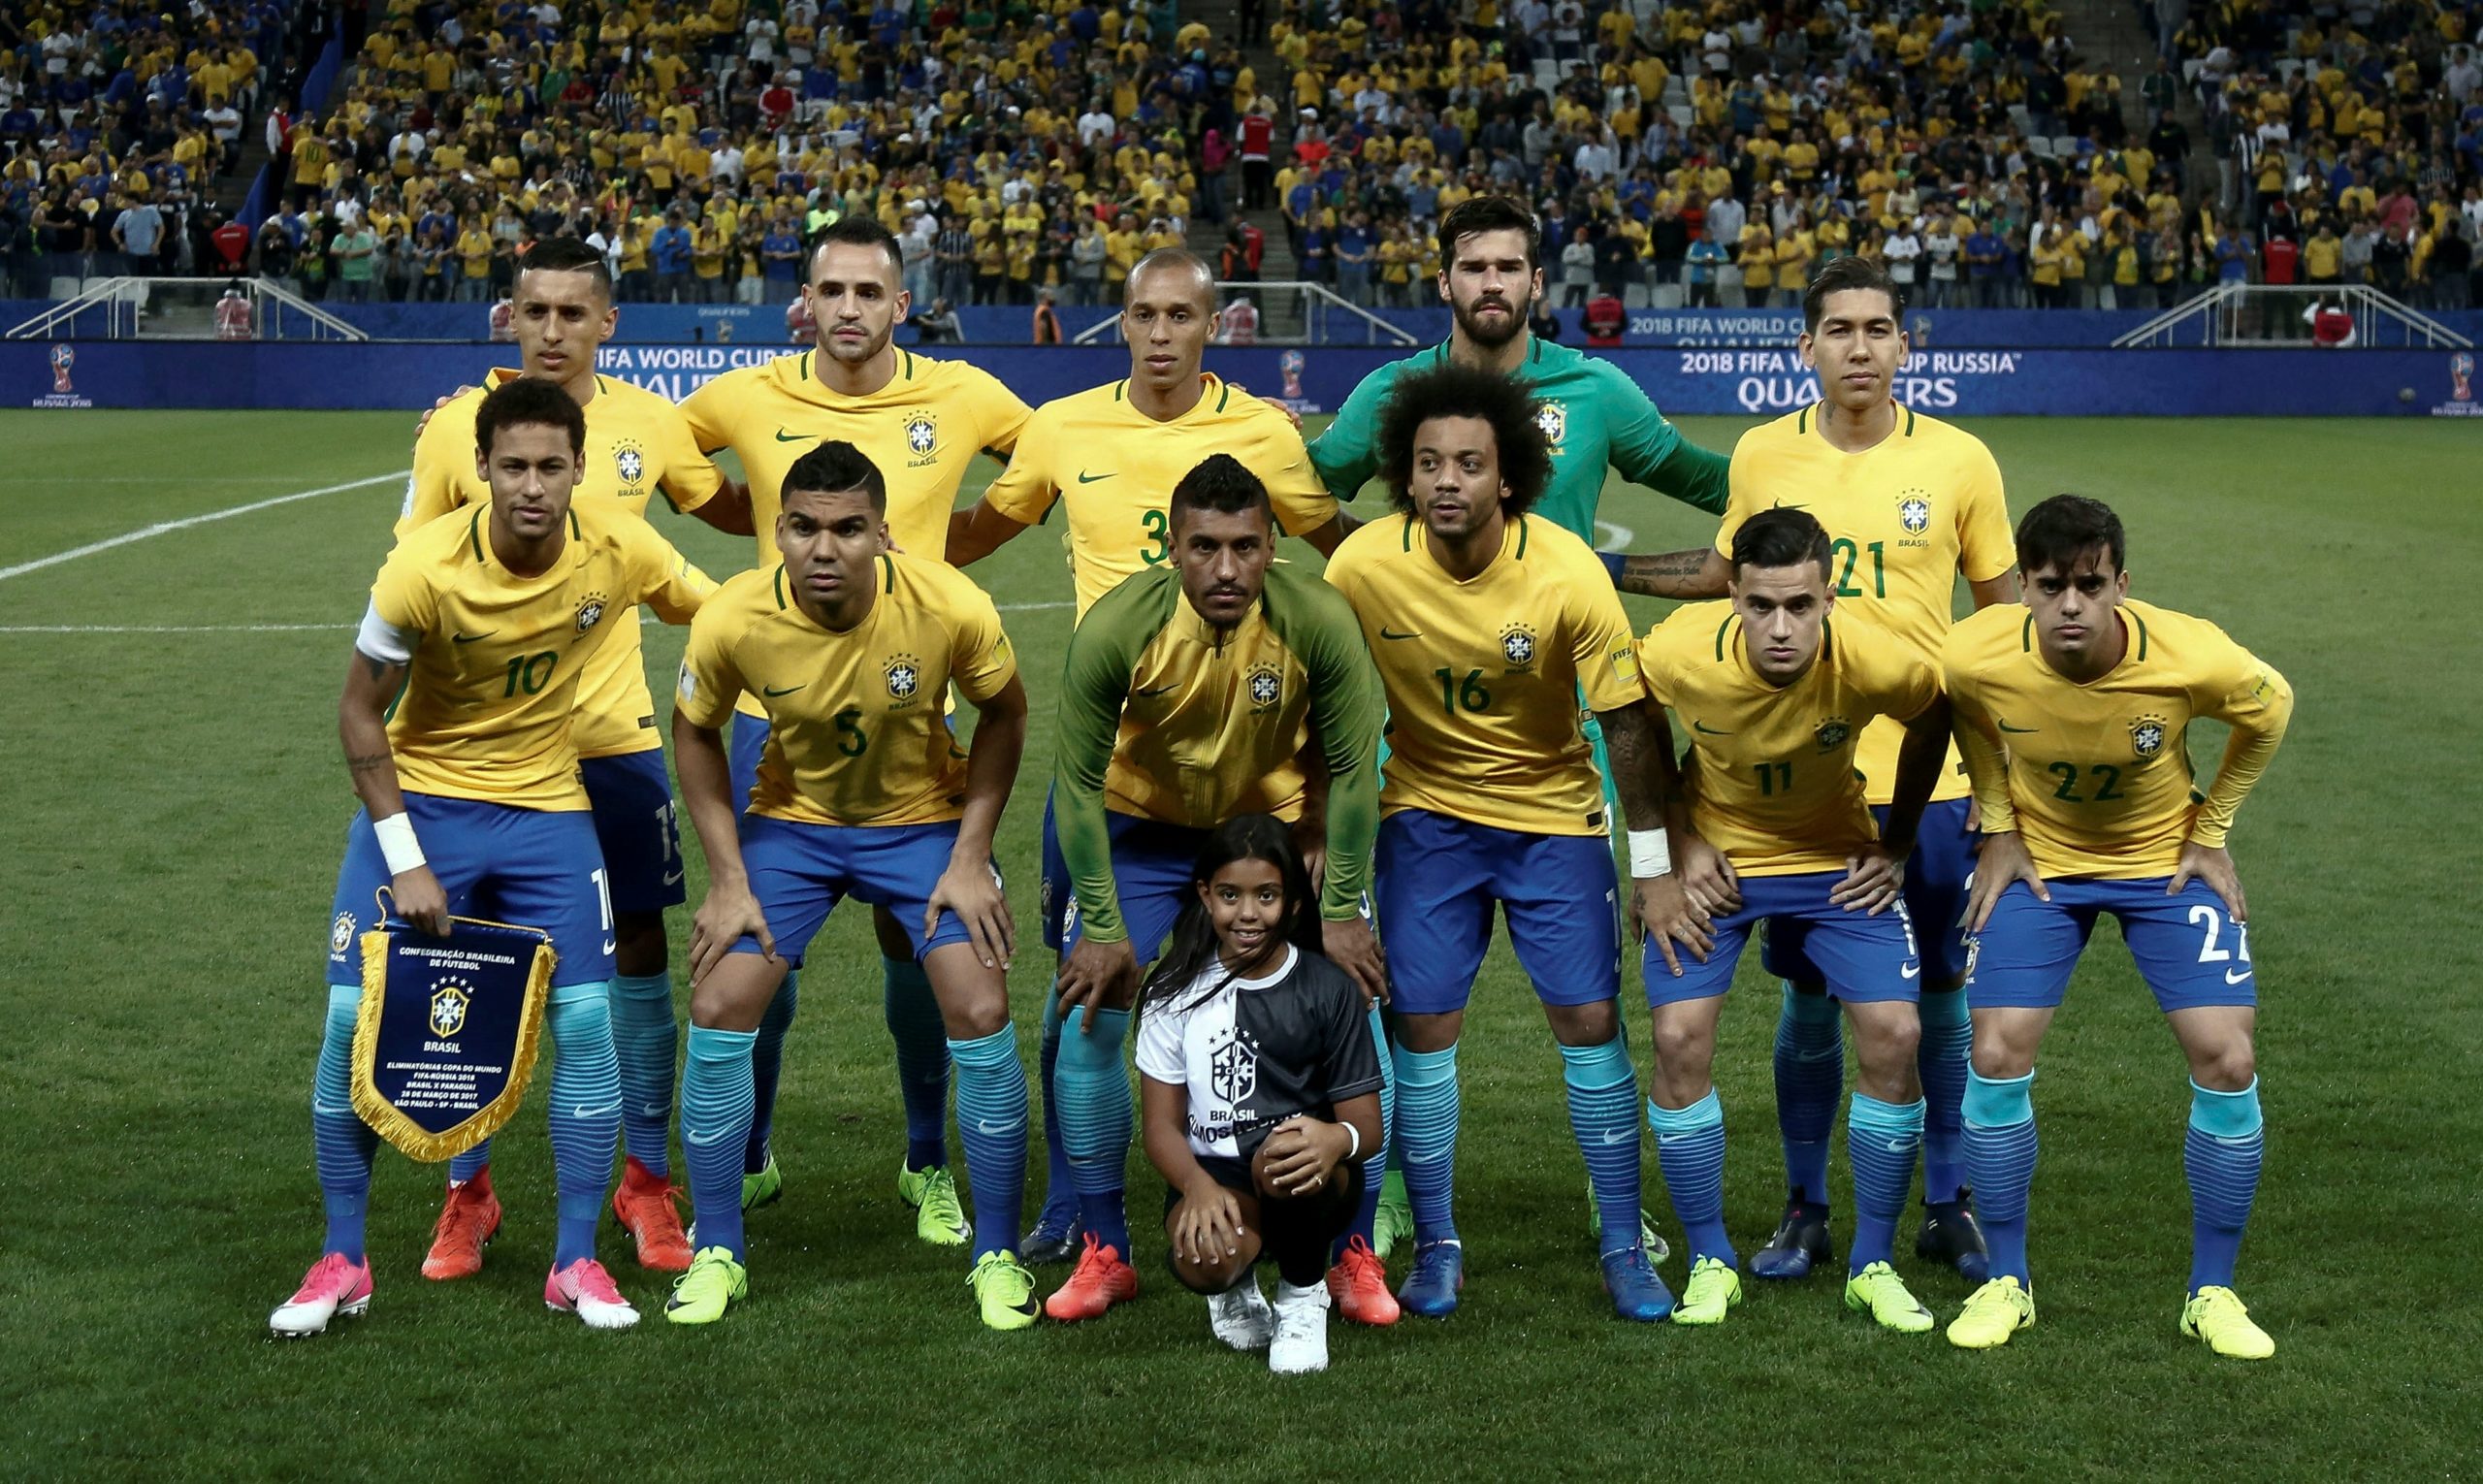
(2147,736)
(447,1032)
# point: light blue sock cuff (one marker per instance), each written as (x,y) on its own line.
(903,974)
(1078,1048)
(1870,1114)
(1425,1069)
(998,1048)
(642,986)
(1999,1102)
(1706,1113)
(583,992)
(344,997)
(1597,1066)
(708,1043)
(1809,1008)
(2225,1115)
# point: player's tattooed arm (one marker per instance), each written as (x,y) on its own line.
(1648,785)
(1682,575)
(362,724)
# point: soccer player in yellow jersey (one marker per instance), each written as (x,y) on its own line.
(1112,457)
(2074,713)
(1190,690)
(861,792)
(486,621)
(637,446)
(1911,504)
(1488,626)
(1776,694)
(921,421)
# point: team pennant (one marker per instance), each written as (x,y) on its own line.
(447,1031)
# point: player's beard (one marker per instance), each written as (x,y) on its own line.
(1487,336)
(872,346)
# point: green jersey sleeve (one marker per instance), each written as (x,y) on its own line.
(1347,454)
(1103,656)
(1347,710)
(1648,449)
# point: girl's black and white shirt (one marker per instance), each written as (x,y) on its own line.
(1257,1052)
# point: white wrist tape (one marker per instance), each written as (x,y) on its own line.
(1354,1149)
(398,844)
(1650,853)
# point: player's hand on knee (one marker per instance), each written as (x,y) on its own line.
(1873,879)
(972,890)
(729,914)
(420,900)
(2212,864)
(1097,976)
(1666,917)
(1351,946)
(1208,1227)
(1707,876)
(2002,861)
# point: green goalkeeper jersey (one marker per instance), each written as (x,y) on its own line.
(1595,417)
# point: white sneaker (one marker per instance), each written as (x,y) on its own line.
(1301,1342)
(333,1286)
(1241,1318)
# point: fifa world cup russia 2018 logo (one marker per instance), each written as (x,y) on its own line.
(2461,373)
(64,357)
(1290,364)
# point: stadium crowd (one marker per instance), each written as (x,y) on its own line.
(1700,154)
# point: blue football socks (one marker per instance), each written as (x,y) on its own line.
(1603,1114)
(586,1111)
(922,1040)
(717,1100)
(1374,1164)
(2000,1164)
(992,1123)
(1060,1188)
(1095,1120)
(1810,1081)
(1690,1148)
(1947,1044)
(766,1063)
(2221,1154)
(1426,1114)
(647,1039)
(343,1143)
(1880,1142)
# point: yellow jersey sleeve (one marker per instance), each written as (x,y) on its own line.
(980,661)
(1744,484)
(1986,546)
(688,477)
(444,476)
(710,683)
(665,580)
(1026,490)
(1601,644)
(1000,413)
(2240,689)
(1302,501)
(403,595)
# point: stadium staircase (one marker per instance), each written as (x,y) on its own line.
(2110,31)
(1279,314)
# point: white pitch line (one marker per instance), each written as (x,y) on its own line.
(1619,540)
(162,528)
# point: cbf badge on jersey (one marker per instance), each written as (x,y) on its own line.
(447,1036)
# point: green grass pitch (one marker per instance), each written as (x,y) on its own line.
(176,806)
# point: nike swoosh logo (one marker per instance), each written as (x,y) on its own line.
(468,638)
(1709,730)
(609,945)
(2231,977)
(782,436)
(783,690)
(1084,477)
(2024,732)
(1387,633)
(672,877)
(1899,1146)
(1156,690)
(686,1136)
(584,1111)
(1909,971)
(1616,1136)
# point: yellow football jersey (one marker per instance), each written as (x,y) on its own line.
(854,729)
(1483,676)
(1906,517)
(2097,777)
(1116,468)
(1774,786)
(495,660)
(637,446)
(922,430)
